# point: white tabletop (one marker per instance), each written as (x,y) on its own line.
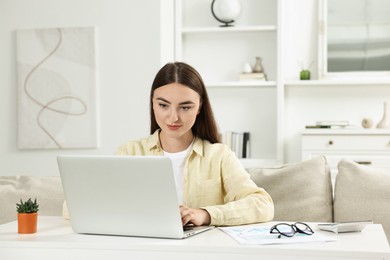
(55,238)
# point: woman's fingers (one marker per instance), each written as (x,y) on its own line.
(197,217)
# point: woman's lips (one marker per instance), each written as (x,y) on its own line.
(173,127)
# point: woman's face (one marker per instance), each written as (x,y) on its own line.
(175,107)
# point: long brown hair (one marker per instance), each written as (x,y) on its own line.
(205,126)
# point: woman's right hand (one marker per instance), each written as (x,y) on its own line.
(197,217)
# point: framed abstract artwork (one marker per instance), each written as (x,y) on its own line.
(57,88)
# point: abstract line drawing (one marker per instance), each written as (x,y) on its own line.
(57,88)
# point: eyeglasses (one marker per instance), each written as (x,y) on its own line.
(289,230)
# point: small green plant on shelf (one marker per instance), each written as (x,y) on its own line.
(28,206)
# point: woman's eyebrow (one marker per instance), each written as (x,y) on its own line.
(186,103)
(181,103)
(163,99)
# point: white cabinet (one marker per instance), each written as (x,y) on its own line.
(219,54)
(365,146)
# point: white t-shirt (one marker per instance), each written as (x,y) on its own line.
(178,162)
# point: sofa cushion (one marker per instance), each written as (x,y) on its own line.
(300,191)
(362,193)
(46,189)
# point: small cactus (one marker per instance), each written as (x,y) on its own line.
(28,206)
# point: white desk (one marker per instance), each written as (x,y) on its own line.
(56,240)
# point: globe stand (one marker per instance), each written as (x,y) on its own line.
(225,23)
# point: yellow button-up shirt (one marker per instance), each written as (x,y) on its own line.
(214,180)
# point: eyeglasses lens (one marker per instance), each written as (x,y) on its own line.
(285,230)
(303,228)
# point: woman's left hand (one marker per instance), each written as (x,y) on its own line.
(198,217)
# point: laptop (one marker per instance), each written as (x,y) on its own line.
(123,195)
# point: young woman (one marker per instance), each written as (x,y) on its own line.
(212,186)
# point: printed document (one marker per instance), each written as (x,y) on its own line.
(260,235)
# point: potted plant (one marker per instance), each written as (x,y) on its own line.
(305,72)
(27,216)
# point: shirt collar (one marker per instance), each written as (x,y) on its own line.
(198,146)
(154,143)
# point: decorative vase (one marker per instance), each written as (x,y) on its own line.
(367,123)
(247,68)
(27,223)
(258,67)
(226,11)
(384,123)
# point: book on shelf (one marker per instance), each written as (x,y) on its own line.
(252,76)
(239,143)
(337,124)
(329,127)
(333,123)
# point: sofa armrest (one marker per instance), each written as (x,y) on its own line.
(362,193)
(46,189)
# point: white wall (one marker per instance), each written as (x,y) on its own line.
(128,57)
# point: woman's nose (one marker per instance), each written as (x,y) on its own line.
(173,116)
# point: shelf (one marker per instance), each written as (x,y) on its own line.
(354,131)
(233,84)
(362,82)
(262,28)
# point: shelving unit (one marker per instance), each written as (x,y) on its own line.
(262,28)
(242,84)
(273,111)
(219,54)
(338,83)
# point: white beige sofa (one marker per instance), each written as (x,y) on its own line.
(301,192)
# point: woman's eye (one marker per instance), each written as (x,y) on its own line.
(185,108)
(163,105)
